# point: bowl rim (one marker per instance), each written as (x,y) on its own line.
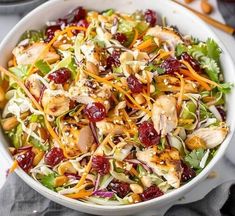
(184,188)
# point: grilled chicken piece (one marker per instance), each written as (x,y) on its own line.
(26,56)
(105,128)
(164,114)
(166,164)
(77,140)
(35,86)
(172,84)
(55,104)
(165,34)
(212,137)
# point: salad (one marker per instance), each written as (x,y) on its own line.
(113,108)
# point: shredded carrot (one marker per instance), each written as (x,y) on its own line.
(196,75)
(79,195)
(129,121)
(80,110)
(131,105)
(106,139)
(163,54)
(148,99)
(14,61)
(114,98)
(84,175)
(202,83)
(14,166)
(148,84)
(180,98)
(134,39)
(144,45)
(133,171)
(142,35)
(66,30)
(102,80)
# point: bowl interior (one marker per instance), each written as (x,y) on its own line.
(176,16)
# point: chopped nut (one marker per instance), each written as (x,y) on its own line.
(212,175)
(11,122)
(66,167)
(139,98)
(91,67)
(2,94)
(60,180)
(152,89)
(136,188)
(146,181)
(206,7)
(188,1)
(136,198)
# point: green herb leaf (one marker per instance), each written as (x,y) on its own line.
(194,158)
(160,70)
(213,50)
(226,87)
(180,48)
(49,181)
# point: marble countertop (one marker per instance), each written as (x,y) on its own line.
(223,171)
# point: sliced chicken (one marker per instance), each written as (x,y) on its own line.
(212,137)
(172,84)
(164,114)
(166,35)
(105,128)
(37,51)
(55,104)
(35,86)
(167,165)
(77,140)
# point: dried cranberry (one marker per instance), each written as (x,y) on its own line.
(81,23)
(120,37)
(101,165)
(50,32)
(79,13)
(25,160)
(193,62)
(120,188)
(60,76)
(95,111)
(171,65)
(147,134)
(150,17)
(54,156)
(151,193)
(134,84)
(188,172)
(113,60)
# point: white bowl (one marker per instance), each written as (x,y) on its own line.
(176,15)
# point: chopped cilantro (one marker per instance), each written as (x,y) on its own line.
(194,158)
